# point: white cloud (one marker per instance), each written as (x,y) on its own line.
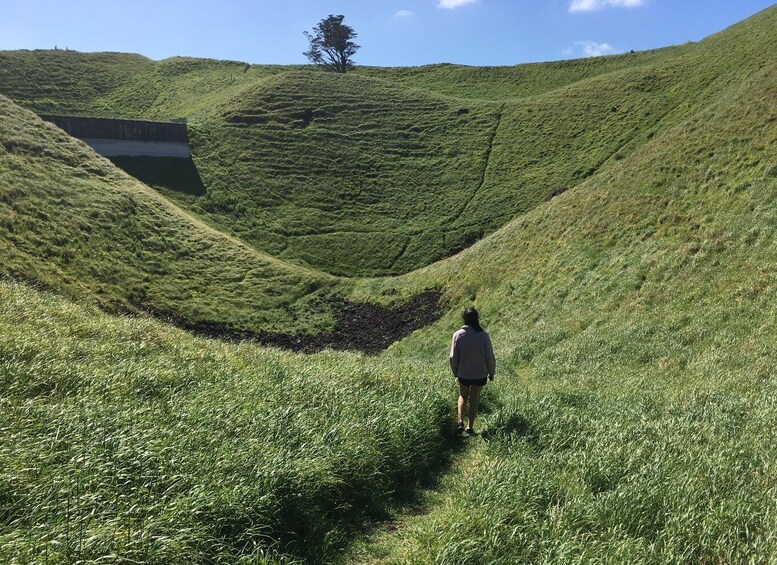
(451,4)
(404,14)
(592,5)
(593,49)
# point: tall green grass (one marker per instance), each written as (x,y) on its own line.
(123,439)
(634,320)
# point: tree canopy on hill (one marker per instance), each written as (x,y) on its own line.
(331,44)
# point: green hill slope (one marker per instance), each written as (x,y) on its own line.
(399,180)
(72,221)
(371,175)
(519,81)
(350,174)
(69,82)
(636,317)
(119,84)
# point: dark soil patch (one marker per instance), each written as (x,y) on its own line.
(360,326)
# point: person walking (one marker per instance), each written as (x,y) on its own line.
(472,362)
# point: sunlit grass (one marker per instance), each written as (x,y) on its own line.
(631,418)
(125,437)
(634,317)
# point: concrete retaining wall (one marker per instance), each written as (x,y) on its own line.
(126,148)
(127,138)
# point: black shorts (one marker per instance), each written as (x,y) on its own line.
(476,382)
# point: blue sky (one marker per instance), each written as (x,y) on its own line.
(391,32)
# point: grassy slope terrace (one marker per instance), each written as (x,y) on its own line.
(73,222)
(376,172)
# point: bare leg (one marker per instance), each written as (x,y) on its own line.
(474,398)
(463,397)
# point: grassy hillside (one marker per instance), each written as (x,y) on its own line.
(69,82)
(382,174)
(127,440)
(353,175)
(119,84)
(392,180)
(634,317)
(73,222)
(519,81)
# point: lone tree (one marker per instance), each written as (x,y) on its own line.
(331,44)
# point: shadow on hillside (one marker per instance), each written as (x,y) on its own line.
(411,498)
(428,474)
(180,175)
(513,425)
